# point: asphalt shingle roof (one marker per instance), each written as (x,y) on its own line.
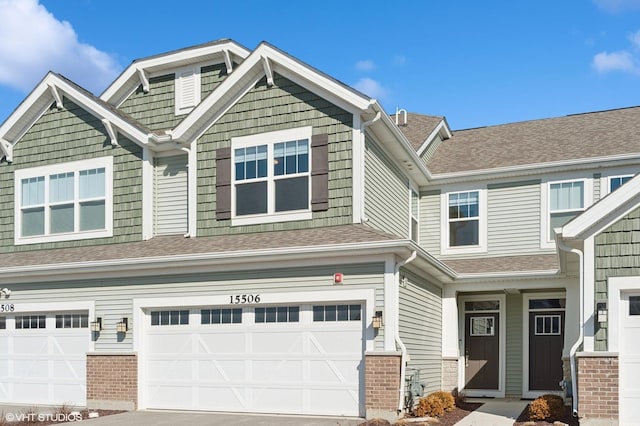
(573,137)
(485,265)
(418,127)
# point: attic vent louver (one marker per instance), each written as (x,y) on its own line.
(404,113)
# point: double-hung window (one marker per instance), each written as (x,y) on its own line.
(566,201)
(616,182)
(464,218)
(64,201)
(271,176)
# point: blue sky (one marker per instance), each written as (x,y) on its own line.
(476,62)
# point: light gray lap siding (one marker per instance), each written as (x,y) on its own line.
(284,105)
(71,134)
(421,328)
(386,192)
(114,297)
(429,227)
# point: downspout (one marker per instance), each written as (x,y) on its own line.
(576,345)
(403,348)
(363,126)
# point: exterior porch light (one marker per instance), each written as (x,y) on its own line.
(96,326)
(376,321)
(601,308)
(123,325)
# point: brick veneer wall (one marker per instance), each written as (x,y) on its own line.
(112,381)
(598,386)
(382,384)
(449,374)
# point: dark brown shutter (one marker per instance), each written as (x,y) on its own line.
(223,183)
(319,172)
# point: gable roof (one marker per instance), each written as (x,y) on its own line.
(52,89)
(418,127)
(223,50)
(604,213)
(586,137)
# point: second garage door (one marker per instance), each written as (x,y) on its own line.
(298,359)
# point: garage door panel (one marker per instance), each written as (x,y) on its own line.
(221,371)
(288,341)
(30,345)
(336,341)
(284,371)
(171,369)
(332,371)
(228,342)
(220,399)
(327,400)
(28,392)
(65,369)
(180,342)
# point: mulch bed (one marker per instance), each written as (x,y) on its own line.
(448,419)
(523,419)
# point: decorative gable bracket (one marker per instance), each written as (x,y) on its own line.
(227,61)
(267,70)
(7,150)
(111,131)
(144,80)
(57,96)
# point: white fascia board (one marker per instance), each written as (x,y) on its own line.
(536,168)
(605,212)
(130,76)
(253,64)
(510,275)
(190,262)
(442,128)
(34,105)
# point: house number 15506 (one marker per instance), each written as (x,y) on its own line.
(240,299)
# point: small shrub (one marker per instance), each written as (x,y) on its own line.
(448,401)
(429,406)
(547,407)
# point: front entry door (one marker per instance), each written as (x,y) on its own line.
(546,340)
(482,351)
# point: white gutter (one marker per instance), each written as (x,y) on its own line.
(403,348)
(363,126)
(576,345)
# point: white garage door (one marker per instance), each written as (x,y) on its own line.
(43,358)
(630,362)
(302,359)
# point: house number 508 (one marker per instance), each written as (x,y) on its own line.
(239,299)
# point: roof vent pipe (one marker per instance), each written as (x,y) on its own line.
(404,113)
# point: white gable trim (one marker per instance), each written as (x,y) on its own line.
(441,129)
(605,212)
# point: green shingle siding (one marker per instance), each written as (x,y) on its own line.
(211,76)
(72,134)
(386,193)
(421,328)
(284,105)
(617,253)
(155,109)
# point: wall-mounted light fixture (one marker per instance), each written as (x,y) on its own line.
(96,325)
(376,321)
(5,292)
(123,325)
(601,309)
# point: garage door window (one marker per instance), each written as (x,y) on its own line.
(3,323)
(221,316)
(634,305)
(170,317)
(325,313)
(31,321)
(277,314)
(72,321)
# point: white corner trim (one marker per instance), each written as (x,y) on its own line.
(450,339)
(357,194)
(147,194)
(192,188)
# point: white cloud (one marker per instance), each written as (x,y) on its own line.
(33,41)
(635,40)
(371,87)
(618,6)
(365,65)
(605,62)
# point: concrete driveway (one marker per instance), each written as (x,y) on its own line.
(172,418)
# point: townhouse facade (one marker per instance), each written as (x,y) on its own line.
(233,230)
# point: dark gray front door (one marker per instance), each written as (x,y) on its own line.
(482,351)
(546,340)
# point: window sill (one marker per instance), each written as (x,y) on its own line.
(273,218)
(463,250)
(103,233)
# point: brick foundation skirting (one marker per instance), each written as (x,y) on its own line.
(597,386)
(112,381)
(382,384)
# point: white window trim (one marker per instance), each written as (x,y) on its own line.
(412,190)
(607,183)
(270,139)
(74,166)
(181,109)
(481,247)
(545,194)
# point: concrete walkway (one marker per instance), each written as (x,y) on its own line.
(494,412)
